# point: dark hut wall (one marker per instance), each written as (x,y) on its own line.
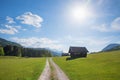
(78,52)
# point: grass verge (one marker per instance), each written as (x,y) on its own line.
(15,68)
(101,66)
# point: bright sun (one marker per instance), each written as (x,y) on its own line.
(79,13)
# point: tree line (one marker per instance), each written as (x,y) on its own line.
(10,50)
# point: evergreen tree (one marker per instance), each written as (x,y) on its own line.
(1,51)
(8,50)
(16,51)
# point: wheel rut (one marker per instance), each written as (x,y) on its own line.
(52,72)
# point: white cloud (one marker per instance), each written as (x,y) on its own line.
(17,27)
(9,30)
(38,42)
(10,20)
(24,29)
(30,19)
(91,43)
(101,28)
(115,25)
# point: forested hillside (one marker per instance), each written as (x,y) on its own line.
(8,48)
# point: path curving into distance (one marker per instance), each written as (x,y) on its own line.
(52,72)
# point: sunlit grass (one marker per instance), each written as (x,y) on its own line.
(15,68)
(101,66)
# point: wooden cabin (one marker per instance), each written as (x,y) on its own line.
(76,52)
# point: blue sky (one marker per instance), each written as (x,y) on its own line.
(58,24)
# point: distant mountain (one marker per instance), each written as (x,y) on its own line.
(111,47)
(4,42)
(55,52)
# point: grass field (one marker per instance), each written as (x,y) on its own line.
(15,68)
(101,66)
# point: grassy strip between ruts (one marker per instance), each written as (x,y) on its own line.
(52,76)
(16,68)
(100,66)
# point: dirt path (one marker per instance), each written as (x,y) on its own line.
(46,74)
(58,73)
(52,72)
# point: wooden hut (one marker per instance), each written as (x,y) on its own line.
(76,52)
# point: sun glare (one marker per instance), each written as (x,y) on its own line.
(79,13)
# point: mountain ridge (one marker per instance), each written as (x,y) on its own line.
(4,42)
(110,47)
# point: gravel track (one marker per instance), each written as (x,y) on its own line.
(46,74)
(52,72)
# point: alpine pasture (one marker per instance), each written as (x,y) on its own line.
(17,68)
(99,66)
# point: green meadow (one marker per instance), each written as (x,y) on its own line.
(99,66)
(16,68)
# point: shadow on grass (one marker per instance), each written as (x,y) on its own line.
(70,58)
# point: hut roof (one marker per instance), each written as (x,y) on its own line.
(77,49)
